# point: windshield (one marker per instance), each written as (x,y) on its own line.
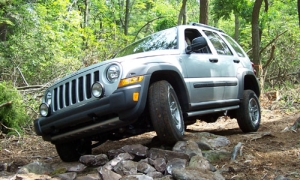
(166,39)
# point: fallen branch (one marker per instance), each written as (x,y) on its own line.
(5,104)
(30,87)
(285,75)
(10,129)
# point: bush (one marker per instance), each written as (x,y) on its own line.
(12,110)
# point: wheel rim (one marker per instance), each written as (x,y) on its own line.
(175,111)
(253,111)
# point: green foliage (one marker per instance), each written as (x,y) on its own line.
(13,115)
(41,41)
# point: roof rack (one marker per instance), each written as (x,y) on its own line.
(206,26)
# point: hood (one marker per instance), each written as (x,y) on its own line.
(120,60)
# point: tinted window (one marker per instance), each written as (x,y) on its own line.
(235,46)
(166,39)
(220,46)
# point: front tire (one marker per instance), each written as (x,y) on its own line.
(71,151)
(249,114)
(165,112)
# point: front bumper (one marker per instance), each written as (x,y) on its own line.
(94,117)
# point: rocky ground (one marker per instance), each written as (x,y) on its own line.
(271,153)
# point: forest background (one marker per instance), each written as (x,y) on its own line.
(44,40)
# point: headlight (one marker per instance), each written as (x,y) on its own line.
(44,109)
(113,73)
(97,90)
(48,98)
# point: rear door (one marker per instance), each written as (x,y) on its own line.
(229,64)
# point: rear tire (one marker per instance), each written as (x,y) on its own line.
(165,112)
(249,114)
(71,151)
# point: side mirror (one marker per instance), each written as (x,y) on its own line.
(197,43)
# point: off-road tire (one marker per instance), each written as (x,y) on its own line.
(165,112)
(71,151)
(249,115)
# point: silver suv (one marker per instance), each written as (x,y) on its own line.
(162,82)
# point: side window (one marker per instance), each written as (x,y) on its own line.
(190,35)
(220,46)
(235,46)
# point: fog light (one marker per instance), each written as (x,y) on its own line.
(97,90)
(44,109)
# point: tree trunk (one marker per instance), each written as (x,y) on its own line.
(126,17)
(203,12)
(256,35)
(236,27)
(298,3)
(86,13)
(3,32)
(182,13)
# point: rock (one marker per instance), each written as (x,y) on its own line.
(31,176)
(137,177)
(236,149)
(195,174)
(159,164)
(145,167)
(107,174)
(36,168)
(67,176)
(155,174)
(180,146)
(215,156)
(220,141)
(281,177)
(201,162)
(76,167)
(189,147)
(176,163)
(207,141)
(126,167)
(123,156)
(155,153)
(114,153)
(68,167)
(94,160)
(89,177)
(167,177)
(203,146)
(136,149)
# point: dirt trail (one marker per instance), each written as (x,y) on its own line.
(266,157)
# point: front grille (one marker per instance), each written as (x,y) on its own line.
(74,91)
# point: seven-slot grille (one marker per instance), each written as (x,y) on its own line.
(74,91)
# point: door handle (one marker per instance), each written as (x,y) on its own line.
(213,60)
(236,61)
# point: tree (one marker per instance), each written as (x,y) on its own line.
(240,10)
(256,33)
(182,19)
(203,12)
(298,4)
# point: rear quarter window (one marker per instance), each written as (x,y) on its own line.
(235,46)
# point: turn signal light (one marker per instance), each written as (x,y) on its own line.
(131,80)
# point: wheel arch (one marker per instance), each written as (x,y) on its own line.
(250,82)
(177,82)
